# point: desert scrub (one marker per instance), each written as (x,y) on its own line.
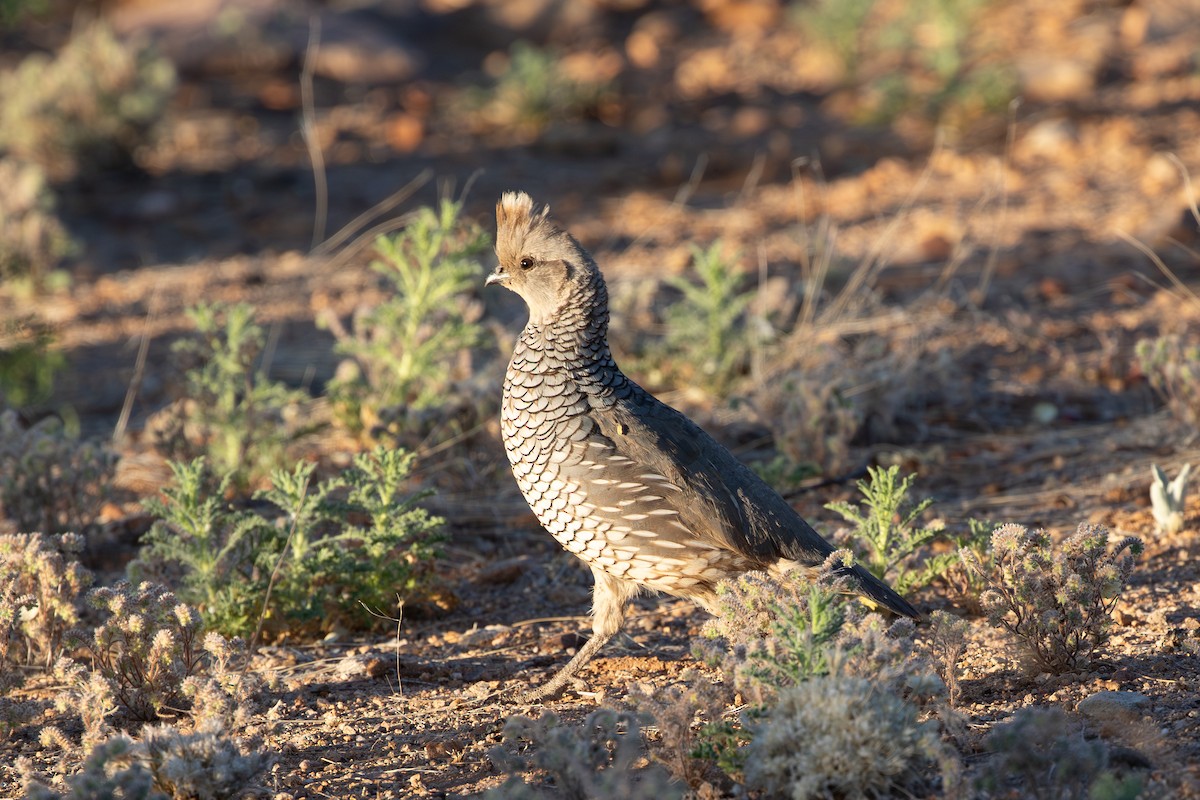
(1168,498)
(709,327)
(205,763)
(1172,365)
(684,748)
(88,107)
(930,58)
(143,654)
(112,769)
(41,588)
(32,238)
(1058,603)
(407,350)
(533,88)
(887,536)
(593,762)
(49,481)
(1043,754)
(340,543)
(234,413)
(840,736)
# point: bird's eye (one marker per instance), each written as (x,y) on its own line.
(526,263)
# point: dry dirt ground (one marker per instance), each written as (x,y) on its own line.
(1008,251)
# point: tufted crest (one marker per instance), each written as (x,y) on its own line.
(518,222)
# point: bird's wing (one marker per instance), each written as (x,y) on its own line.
(717,498)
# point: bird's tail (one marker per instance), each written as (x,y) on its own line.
(879,592)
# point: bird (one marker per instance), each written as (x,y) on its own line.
(622,480)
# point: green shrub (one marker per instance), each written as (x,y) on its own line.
(28,363)
(32,238)
(49,481)
(928,57)
(1044,754)
(406,348)
(593,762)
(531,92)
(234,413)
(708,329)
(887,537)
(87,107)
(332,564)
(1172,365)
(1057,603)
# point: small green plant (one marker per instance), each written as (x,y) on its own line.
(332,564)
(708,327)
(1168,499)
(1042,752)
(86,108)
(887,536)
(405,349)
(234,413)
(1172,365)
(28,362)
(49,481)
(928,57)
(1057,603)
(32,238)
(589,763)
(533,91)
(840,736)
(41,586)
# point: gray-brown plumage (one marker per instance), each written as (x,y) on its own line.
(625,482)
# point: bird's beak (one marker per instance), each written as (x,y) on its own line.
(499,275)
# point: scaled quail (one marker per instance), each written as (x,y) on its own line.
(625,482)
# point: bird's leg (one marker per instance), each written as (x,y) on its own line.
(610,599)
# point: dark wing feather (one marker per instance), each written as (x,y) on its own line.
(720,498)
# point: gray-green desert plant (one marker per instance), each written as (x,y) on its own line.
(592,762)
(1043,754)
(234,413)
(205,764)
(674,711)
(948,642)
(49,481)
(1058,602)
(87,107)
(841,736)
(1172,365)
(1168,499)
(111,770)
(406,348)
(41,589)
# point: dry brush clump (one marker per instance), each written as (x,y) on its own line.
(1058,602)
(595,761)
(89,106)
(49,481)
(32,237)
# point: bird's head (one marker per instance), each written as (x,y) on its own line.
(539,260)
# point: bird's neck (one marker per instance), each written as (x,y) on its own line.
(577,329)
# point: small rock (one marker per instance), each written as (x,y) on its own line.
(1112,706)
